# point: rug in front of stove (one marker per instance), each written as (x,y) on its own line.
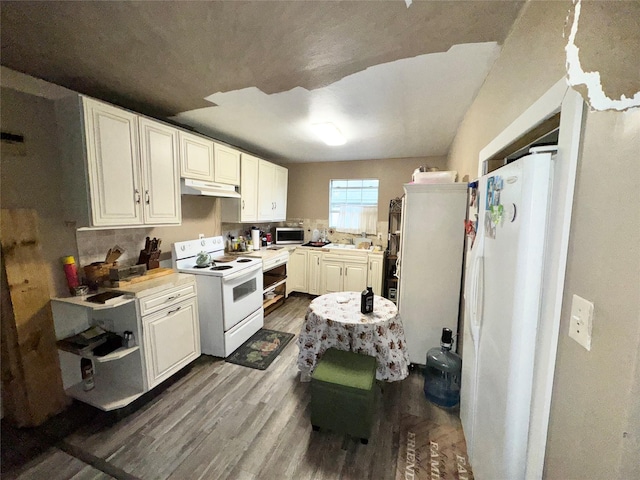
(261,349)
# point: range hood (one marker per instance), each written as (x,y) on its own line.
(209,189)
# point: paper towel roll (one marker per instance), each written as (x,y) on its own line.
(255,239)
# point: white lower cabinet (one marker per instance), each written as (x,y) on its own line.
(314,272)
(325,271)
(374,276)
(297,278)
(171,340)
(343,273)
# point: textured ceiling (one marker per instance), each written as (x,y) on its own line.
(386,74)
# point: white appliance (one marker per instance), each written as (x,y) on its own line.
(503,291)
(229,294)
(430,263)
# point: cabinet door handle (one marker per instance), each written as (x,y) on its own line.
(147,199)
(340,271)
(173,311)
(243,204)
(137,193)
(318,260)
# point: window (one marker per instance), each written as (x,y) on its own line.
(353,205)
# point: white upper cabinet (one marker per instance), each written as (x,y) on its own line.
(280,193)
(160,171)
(196,157)
(266,187)
(113,164)
(249,188)
(120,169)
(203,159)
(263,191)
(226,165)
(272,191)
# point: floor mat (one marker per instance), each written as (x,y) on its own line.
(261,349)
(429,450)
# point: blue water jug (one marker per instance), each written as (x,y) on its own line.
(442,373)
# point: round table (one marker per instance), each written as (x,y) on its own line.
(335,320)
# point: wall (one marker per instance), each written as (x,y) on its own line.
(33,180)
(308,195)
(594,426)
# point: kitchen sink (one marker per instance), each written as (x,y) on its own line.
(316,244)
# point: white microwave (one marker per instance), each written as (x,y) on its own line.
(289,236)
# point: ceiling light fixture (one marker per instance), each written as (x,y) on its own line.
(329,133)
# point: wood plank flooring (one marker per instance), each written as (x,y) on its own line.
(219,420)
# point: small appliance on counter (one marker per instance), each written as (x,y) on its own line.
(289,236)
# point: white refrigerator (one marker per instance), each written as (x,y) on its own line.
(503,288)
(430,263)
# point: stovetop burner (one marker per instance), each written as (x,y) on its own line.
(202,266)
(222,267)
(244,260)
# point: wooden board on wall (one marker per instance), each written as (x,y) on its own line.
(31,378)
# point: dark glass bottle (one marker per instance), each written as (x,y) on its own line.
(366,300)
(442,373)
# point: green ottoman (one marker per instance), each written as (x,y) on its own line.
(343,393)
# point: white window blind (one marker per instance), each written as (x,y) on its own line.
(353,205)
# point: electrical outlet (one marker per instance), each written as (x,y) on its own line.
(581,322)
(200,236)
(379,236)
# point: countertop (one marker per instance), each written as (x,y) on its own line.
(268,252)
(136,290)
(150,287)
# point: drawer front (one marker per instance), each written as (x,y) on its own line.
(158,302)
(347,258)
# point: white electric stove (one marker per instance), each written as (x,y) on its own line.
(229,294)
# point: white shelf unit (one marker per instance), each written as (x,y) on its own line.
(120,376)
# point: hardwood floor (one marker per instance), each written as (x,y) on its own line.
(221,421)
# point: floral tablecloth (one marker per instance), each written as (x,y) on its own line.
(334,320)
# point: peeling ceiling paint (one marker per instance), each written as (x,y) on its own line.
(163,59)
(590,84)
(405,108)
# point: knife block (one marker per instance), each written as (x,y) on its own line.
(150,259)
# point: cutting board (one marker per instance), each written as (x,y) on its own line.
(149,275)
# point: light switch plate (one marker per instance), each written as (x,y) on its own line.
(581,322)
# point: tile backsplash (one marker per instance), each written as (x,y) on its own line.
(311,224)
(93,245)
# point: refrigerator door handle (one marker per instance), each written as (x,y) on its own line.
(477,297)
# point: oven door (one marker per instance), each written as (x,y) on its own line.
(241,295)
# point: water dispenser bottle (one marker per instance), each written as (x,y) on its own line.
(442,373)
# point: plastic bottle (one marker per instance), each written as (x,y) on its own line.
(71,272)
(442,373)
(86,367)
(366,300)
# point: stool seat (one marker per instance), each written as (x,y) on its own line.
(343,393)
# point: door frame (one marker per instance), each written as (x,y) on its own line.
(563,99)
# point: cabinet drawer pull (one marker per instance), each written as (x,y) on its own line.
(173,311)
(172,297)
